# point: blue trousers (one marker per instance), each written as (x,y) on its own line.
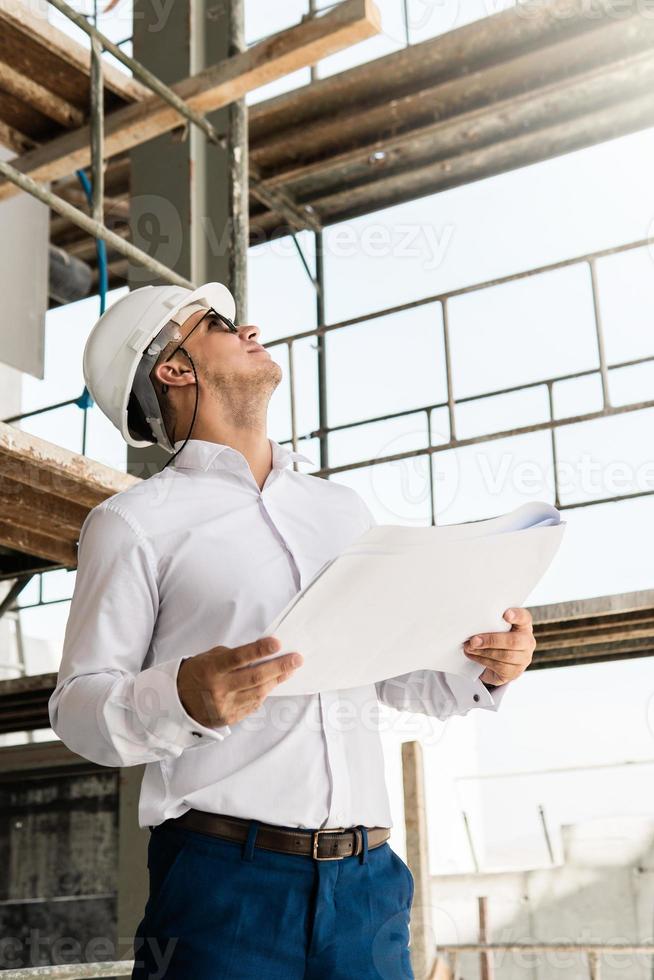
(220,910)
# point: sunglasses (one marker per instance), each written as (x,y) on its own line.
(231,327)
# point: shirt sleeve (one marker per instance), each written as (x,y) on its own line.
(105,706)
(433,692)
(437,693)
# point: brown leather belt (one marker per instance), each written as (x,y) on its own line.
(331,844)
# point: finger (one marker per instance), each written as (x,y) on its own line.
(247,678)
(251,694)
(499,655)
(520,619)
(236,657)
(494,660)
(250,700)
(489,641)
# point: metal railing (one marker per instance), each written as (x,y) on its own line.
(592,951)
(451,403)
(72,971)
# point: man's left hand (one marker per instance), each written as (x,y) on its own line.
(504,655)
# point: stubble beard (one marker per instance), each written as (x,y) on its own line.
(244,398)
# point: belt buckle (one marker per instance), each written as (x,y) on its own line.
(315,842)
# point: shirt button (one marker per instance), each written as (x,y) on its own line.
(475,697)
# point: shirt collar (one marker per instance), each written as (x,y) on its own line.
(198,454)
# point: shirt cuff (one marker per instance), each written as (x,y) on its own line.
(470,693)
(159,707)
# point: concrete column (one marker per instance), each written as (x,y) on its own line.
(189,209)
(189,198)
(423,943)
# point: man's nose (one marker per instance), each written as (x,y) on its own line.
(249,332)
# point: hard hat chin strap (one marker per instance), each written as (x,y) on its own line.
(195,407)
(143,388)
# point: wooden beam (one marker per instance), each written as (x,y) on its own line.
(15,140)
(40,98)
(44,466)
(37,510)
(218,86)
(604,90)
(33,756)
(463,168)
(18,21)
(423,943)
(601,64)
(482,43)
(63,553)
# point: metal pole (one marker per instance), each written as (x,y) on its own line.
(322,352)
(548,840)
(291,391)
(239,206)
(430,464)
(451,404)
(487,967)
(89,225)
(313,9)
(601,353)
(555,465)
(405,14)
(97,131)
(471,842)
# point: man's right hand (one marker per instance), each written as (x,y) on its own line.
(220,687)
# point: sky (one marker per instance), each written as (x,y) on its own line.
(561,735)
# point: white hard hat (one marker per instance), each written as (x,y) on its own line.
(120,339)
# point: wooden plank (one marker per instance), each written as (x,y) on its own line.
(20,27)
(605,90)
(48,103)
(48,756)
(14,139)
(604,605)
(520,151)
(491,40)
(217,86)
(39,511)
(423,942)
(45,466)
(63,553)
(599,67)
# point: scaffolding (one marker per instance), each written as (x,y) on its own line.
(537,86)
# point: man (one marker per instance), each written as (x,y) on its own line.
(269,818)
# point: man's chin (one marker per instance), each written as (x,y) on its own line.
(271,369)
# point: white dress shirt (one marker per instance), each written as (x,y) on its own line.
(199,556)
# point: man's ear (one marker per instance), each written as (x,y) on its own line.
(174,372)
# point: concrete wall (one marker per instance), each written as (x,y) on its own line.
(58,879)
(603,891)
